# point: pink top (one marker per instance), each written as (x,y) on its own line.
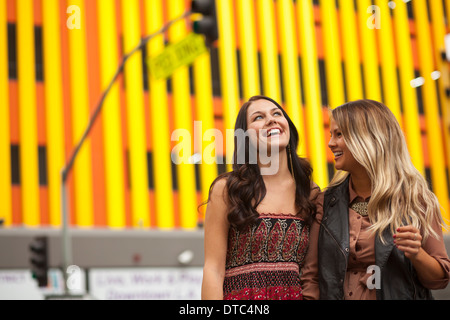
(362,255)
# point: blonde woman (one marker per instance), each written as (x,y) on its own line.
(378,229)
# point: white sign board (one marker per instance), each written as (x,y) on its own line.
(145,283)
(18,284)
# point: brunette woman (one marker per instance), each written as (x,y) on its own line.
(258,215)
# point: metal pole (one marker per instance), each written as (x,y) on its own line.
(66,240)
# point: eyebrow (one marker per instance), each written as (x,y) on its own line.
(331,131)
(276,108)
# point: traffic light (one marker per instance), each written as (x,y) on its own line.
(39,260)
(207,25)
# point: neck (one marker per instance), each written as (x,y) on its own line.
(276,169)
(361,183)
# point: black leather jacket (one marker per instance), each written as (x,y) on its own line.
(398,278)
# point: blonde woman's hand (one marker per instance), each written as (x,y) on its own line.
(408,240)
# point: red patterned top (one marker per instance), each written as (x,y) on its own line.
(264,261)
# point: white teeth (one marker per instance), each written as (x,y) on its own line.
(337,154)
(273,131)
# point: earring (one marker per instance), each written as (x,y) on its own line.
(290,160)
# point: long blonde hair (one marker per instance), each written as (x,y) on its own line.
(400,194)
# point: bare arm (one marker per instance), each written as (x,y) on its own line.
(215,243)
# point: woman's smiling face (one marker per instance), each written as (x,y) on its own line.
(268,121)
(343,158)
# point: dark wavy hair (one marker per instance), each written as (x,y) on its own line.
(245,186)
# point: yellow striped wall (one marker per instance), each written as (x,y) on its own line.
(308,55)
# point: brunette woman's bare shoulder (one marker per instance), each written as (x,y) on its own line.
(218,204)
(219,189)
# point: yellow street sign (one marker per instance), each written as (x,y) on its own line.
(176,55)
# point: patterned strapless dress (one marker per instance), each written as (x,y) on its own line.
(264,261)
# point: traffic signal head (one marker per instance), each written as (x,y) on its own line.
(39,260)
(207,25)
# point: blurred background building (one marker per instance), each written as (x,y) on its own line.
(58,56)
